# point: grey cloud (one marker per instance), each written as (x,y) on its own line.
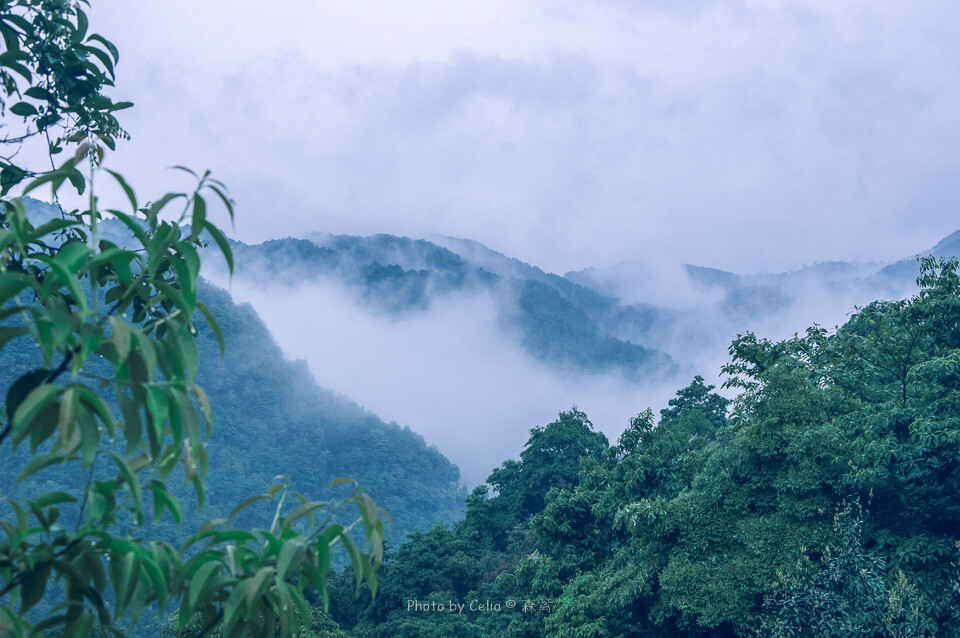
(804,123)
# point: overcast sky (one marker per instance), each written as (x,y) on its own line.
(743,134)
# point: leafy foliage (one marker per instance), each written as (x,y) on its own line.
(114,397)
(55,71)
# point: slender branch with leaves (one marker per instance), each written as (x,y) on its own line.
(114,325)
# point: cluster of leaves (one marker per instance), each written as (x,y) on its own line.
(127,315)
(53,74)
(114,397)
(819,598)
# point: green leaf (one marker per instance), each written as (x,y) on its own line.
(37,93)
(23,386)
(231,609)
(89,399)
(162,499)
(198,489)
(156,577)
(245,503)
(10,176)
(131,420)
(66,278)
(290,556)
(24,109)
(110,46)
(133,225)
(218,188)
(30,408)
(129,575)
(53,498)
(32,587)
(356,559)
(158,406)
(146,350)
(323,556)
(41,462)
(230,536)
(52,226)
(204,402)
(12,284)
(288,617)
(154,209)
(179,167)
(105,60)
(19,21)
(222,243)
(259,581)
(120,260)
(199,217)
(54,178)
(72,256)
(120,336)
(187,285)
(8,333)
(204,575)
(213,325)
(306,508)
(128,475)
(82,25)
(126,188)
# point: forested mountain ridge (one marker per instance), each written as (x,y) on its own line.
(553,319)
(642,320)
(271,419)
(821,501)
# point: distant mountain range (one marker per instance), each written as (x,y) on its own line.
(651,326)
(553,318)
(637,319)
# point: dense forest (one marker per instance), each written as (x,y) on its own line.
(821,501)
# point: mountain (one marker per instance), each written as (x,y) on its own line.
(271,418)
(552,318)
(640,320)
(698,310)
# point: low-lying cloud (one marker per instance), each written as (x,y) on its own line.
(450,372)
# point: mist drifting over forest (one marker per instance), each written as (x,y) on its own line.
(442,341)
(480,318)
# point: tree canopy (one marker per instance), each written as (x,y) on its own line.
(821,501)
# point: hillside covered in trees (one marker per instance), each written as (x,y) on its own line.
(273,420)
(817,497)
(822,501)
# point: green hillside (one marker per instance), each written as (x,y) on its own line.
(272,419)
